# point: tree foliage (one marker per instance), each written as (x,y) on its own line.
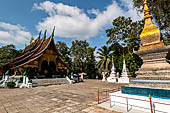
(64,51)
(124,38)
(8,52)
(133,63)
(83,59)
(117,54)
(126,32)
(90,63)
(78,55)
(62,47)
(105,58)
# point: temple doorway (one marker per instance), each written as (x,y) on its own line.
(44,67)
(51,69)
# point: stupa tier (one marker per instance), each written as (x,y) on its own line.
(152,51)
(155,66)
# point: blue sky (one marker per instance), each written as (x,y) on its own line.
(73,19)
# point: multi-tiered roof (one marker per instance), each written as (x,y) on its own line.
(34,51)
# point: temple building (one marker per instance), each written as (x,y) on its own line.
(40,58)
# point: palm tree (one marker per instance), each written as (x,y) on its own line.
(105,58)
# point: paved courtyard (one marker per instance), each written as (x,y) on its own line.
(65,98)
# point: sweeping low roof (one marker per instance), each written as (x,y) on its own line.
(32,52)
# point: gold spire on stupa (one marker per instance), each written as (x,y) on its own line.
(150,35)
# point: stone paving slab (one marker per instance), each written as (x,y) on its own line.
(65,98)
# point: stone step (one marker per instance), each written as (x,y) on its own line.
(46,82)
(150,83)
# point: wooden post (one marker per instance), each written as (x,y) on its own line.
(127,103)
(98,95)
(110,101)
(106,95)
(118,88)
(150,98)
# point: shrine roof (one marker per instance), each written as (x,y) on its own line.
(32,52)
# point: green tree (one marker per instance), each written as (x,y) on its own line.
(126,32)
(124,37)
(133,63)
(117,54)
(90,63)
(104,54)
(78,55)
(8,52)
(64,52)
(83,59)
(160,11)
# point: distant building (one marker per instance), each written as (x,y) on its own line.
(39,58)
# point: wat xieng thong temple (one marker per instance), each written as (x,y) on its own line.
(39,59)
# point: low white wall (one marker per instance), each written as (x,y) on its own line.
(138,104)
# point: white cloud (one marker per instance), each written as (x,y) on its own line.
(94,11)
(132,12)
(13,34)
(73,22)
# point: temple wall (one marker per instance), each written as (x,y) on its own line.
(47,58)
(51,55)
(19,71)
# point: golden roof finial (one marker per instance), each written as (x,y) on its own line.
(32,40)
(150,35)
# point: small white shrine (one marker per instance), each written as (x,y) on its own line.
(124,76)
(113,76)
(104,76)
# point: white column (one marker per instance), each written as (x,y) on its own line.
(3,77)
(24,82)
(6,77)
(28,85)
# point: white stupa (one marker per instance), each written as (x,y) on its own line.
(113,76)
(124,76)
(104,75)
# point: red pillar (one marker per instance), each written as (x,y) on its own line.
(106,95)
(98,95)
(150,103)
(127,104)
